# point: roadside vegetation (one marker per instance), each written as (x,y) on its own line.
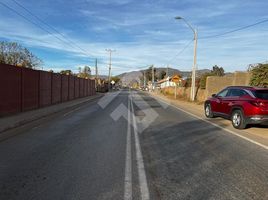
(116,79)
(12,53)
(83,72)
(259,75)
(216,71)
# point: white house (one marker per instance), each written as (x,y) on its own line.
(166,82)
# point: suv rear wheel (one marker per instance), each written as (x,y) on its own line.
(238,119)
(208,111)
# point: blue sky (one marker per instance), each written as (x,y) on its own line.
(143,32)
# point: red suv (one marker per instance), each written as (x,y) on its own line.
(243,105)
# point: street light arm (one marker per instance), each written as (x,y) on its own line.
(186,22)
(190,26)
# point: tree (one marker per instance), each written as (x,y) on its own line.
(84,72)
(148,74)
(142,79)
(14,54)
(162,74)
(188,82)
(87,70)
(66,72)
(259,75)
(116,79)
(203,79)
(217,71)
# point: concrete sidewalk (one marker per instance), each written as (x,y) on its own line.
(256,133)
(20,119)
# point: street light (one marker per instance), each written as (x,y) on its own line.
(194,64)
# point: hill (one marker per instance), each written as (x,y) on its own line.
(129,77)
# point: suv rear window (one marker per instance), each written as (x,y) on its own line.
(261,94)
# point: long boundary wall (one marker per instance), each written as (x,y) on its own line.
(23,89)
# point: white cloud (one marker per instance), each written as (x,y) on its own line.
(150,38)
(110,2)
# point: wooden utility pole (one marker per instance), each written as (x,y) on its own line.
(96,73)
(152,78)
(110,66)
(96,69)
(167,71)
(144,81)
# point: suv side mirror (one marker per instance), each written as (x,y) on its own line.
(214,95)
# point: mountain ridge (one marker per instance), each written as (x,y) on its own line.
(128,77)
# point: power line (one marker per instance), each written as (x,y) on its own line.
(51,27)
(235,30)
(218,35)
(181,51)
(34,23)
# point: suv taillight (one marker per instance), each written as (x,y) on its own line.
(256,103)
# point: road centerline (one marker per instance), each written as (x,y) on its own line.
(140,164)
(128,165)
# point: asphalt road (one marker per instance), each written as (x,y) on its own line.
(129,146)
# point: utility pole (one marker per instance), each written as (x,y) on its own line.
(194,67)
(96,69)
(167,79)
(96,73)
(152,78)
(194,64)
(110,66)
(167,71)
(144,81)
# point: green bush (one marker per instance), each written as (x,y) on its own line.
(188,82)
(216,71)
(259,75)
(203,80)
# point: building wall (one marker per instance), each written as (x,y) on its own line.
(167,84)
(214,85)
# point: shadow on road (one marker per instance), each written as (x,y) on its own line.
(195,160)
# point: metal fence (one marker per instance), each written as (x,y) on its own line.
(23,89)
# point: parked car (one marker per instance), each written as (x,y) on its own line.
(242,105)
